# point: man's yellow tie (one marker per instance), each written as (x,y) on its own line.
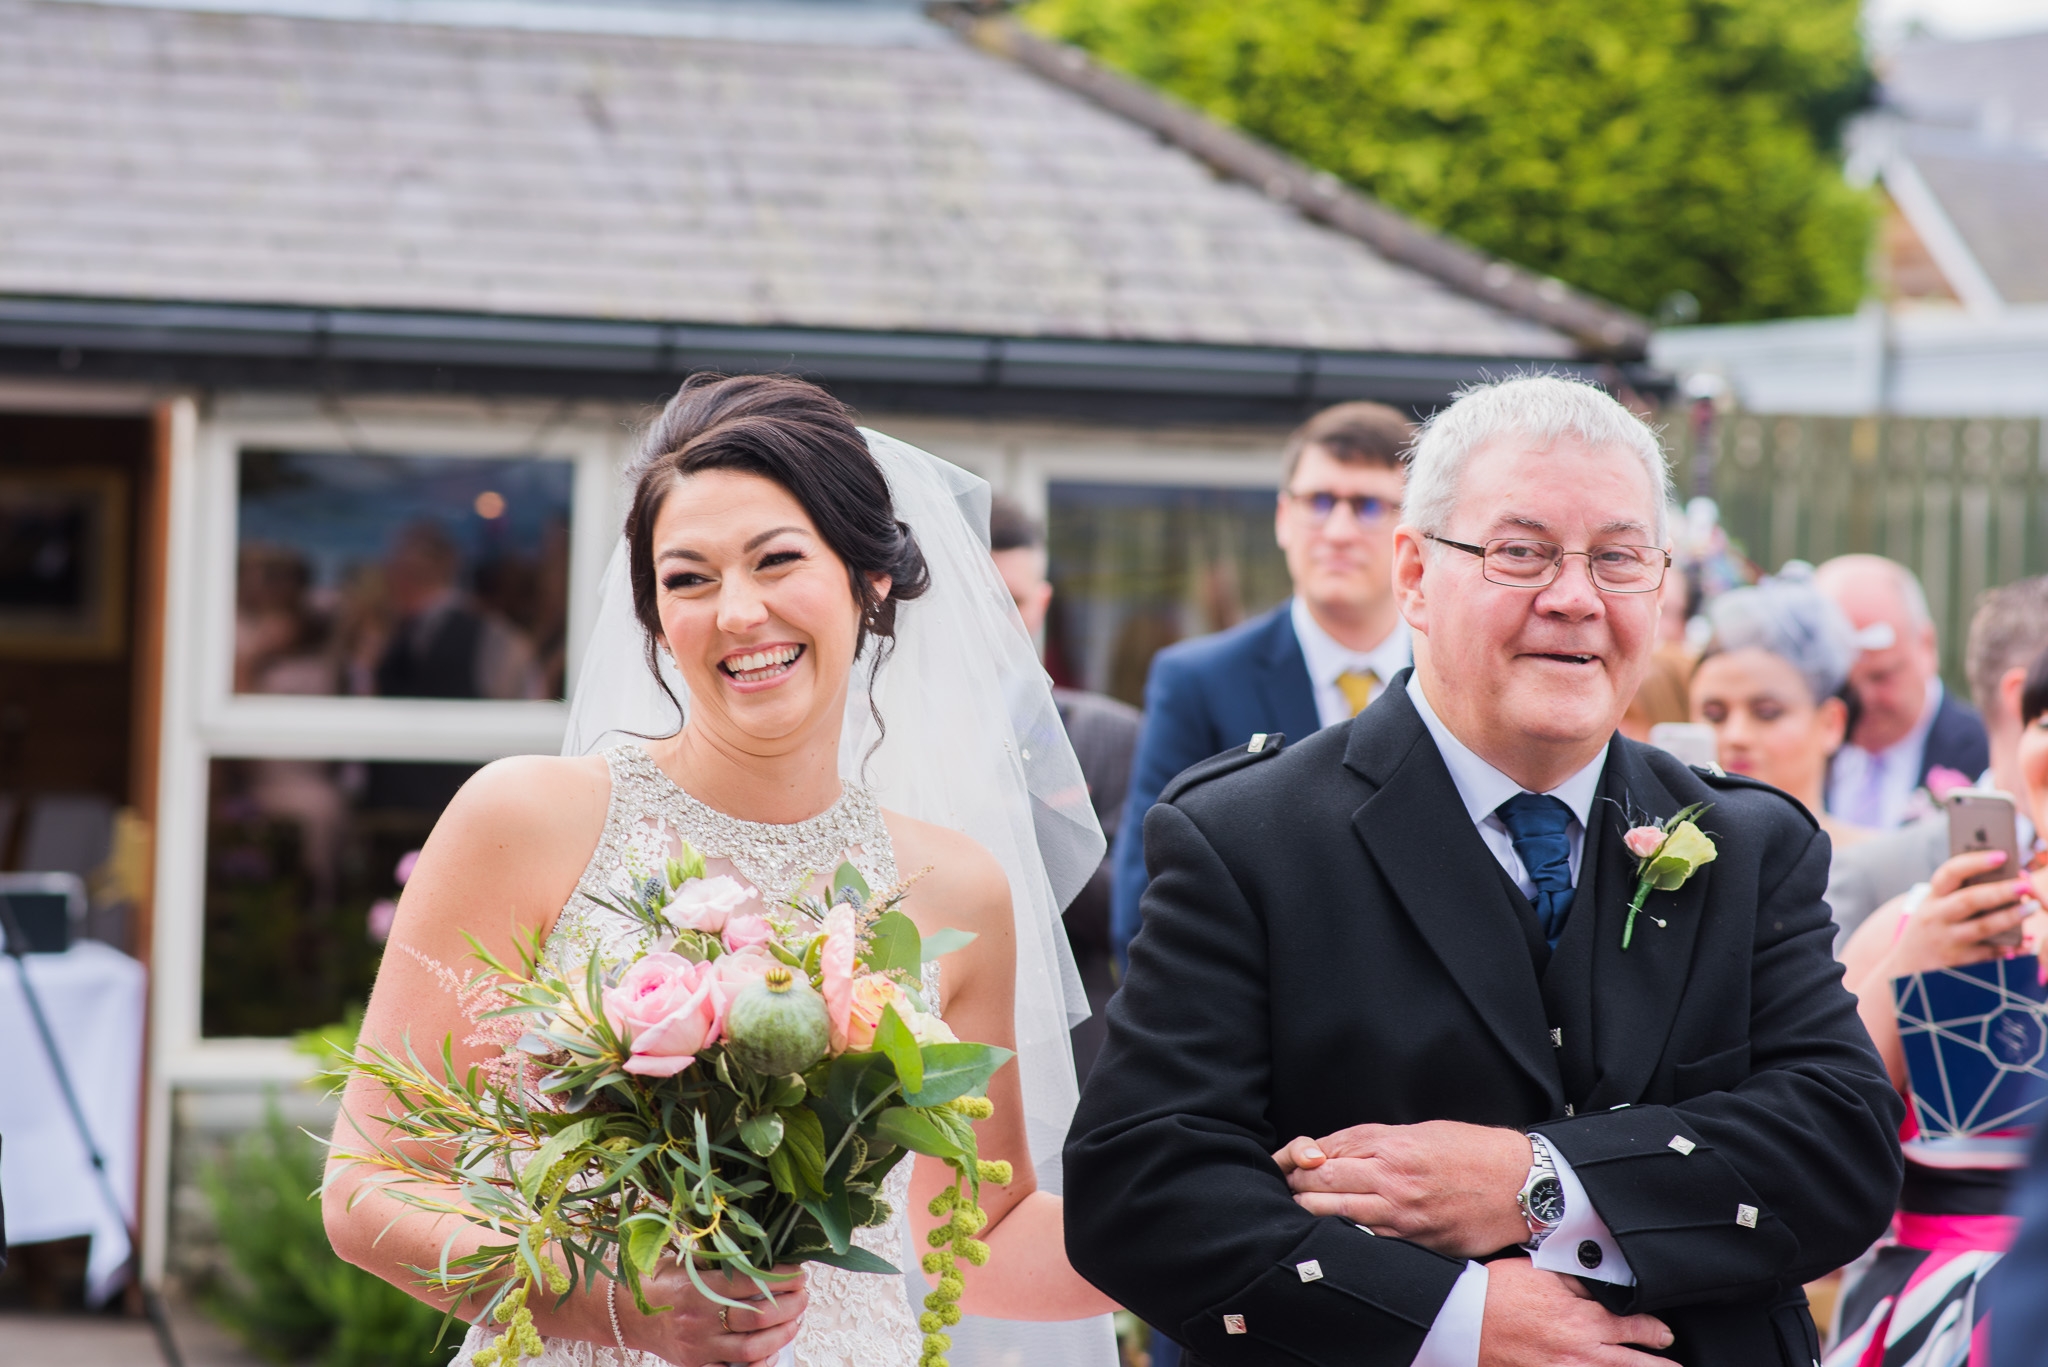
(1357,685)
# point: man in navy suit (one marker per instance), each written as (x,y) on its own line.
(1315,660)
(1908,725)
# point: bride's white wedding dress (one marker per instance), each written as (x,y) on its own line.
(854,1319)
(975,744)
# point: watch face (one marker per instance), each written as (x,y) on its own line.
(1546,1200)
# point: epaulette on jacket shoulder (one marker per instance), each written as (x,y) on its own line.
(1716,777)
(1264,745)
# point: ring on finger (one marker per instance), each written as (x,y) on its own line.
(725,1323)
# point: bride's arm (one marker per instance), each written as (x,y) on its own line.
(1027,1276)
(502,860)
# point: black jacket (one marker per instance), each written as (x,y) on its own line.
(1328,942)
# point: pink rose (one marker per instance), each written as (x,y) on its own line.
(872,994)
(707,903)
(836,964)
(735,972)
(668,1009)
(1643,841)
(747,932)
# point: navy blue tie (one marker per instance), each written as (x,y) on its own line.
(1541,827)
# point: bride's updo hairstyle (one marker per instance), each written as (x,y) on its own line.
(795,434)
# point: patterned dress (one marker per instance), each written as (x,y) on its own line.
(854,1319)
(1922,1301)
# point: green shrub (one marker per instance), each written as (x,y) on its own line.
(290,1297)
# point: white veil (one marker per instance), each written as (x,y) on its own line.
(973,742)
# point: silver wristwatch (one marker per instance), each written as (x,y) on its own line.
(1542,1196)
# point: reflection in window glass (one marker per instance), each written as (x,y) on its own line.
(401,576)
(1137,567)
(304,859)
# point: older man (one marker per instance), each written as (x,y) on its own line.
(1548,1129)
(1908,726)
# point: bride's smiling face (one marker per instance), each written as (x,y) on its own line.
(756,607)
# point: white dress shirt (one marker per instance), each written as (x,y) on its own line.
(1326,659)
(1453,1340)
(1875,788)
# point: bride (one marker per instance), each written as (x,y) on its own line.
(818,603)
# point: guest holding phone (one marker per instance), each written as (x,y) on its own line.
(1951,1228)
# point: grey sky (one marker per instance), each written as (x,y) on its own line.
(1888,19)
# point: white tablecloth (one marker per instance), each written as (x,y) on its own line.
(93,998)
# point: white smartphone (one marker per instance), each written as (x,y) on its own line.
(1981,819)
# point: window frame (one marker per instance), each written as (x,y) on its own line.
(206,720)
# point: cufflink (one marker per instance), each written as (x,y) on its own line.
(1746,1216)
(1309,1271)
(1258,743)
(1682,1144)
(1234,1324)
(1590,1255)
(1557,1037)
(1568,1109)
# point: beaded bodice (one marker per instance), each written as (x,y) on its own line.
(854,1319)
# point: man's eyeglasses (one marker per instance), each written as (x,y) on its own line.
(1365,508)
(1524,564)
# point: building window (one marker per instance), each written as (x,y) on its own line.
(1136,567)
(303,866)
(401,576)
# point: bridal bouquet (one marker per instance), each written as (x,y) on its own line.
(726,1092)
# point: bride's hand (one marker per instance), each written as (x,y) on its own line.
(696,1332)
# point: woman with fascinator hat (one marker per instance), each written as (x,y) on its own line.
(1773,682)
(803,656)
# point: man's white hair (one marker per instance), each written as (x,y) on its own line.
(1538,409)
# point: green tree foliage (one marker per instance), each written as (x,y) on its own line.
(1634,148)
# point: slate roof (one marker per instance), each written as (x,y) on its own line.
(1972,119)
(1997,199)
(913,183)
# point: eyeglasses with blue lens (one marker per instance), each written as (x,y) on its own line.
(1365,508)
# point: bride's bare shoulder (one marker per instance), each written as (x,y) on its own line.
(958,875)
(533,802)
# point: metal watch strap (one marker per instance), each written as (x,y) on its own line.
(1542,1169)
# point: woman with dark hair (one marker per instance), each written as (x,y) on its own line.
(1920,1302)
(827,671)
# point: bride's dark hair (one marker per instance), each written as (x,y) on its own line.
(794,433)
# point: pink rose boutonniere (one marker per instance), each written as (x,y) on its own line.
(1667,855)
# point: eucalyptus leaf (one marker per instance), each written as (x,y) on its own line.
(835,1216)
(956,1070)
(762,1132)
(916,1132)
(893,944)
(946,941)
(645,1236)
(854,1259)
(535,1169)
(848,878)
(894,1041)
